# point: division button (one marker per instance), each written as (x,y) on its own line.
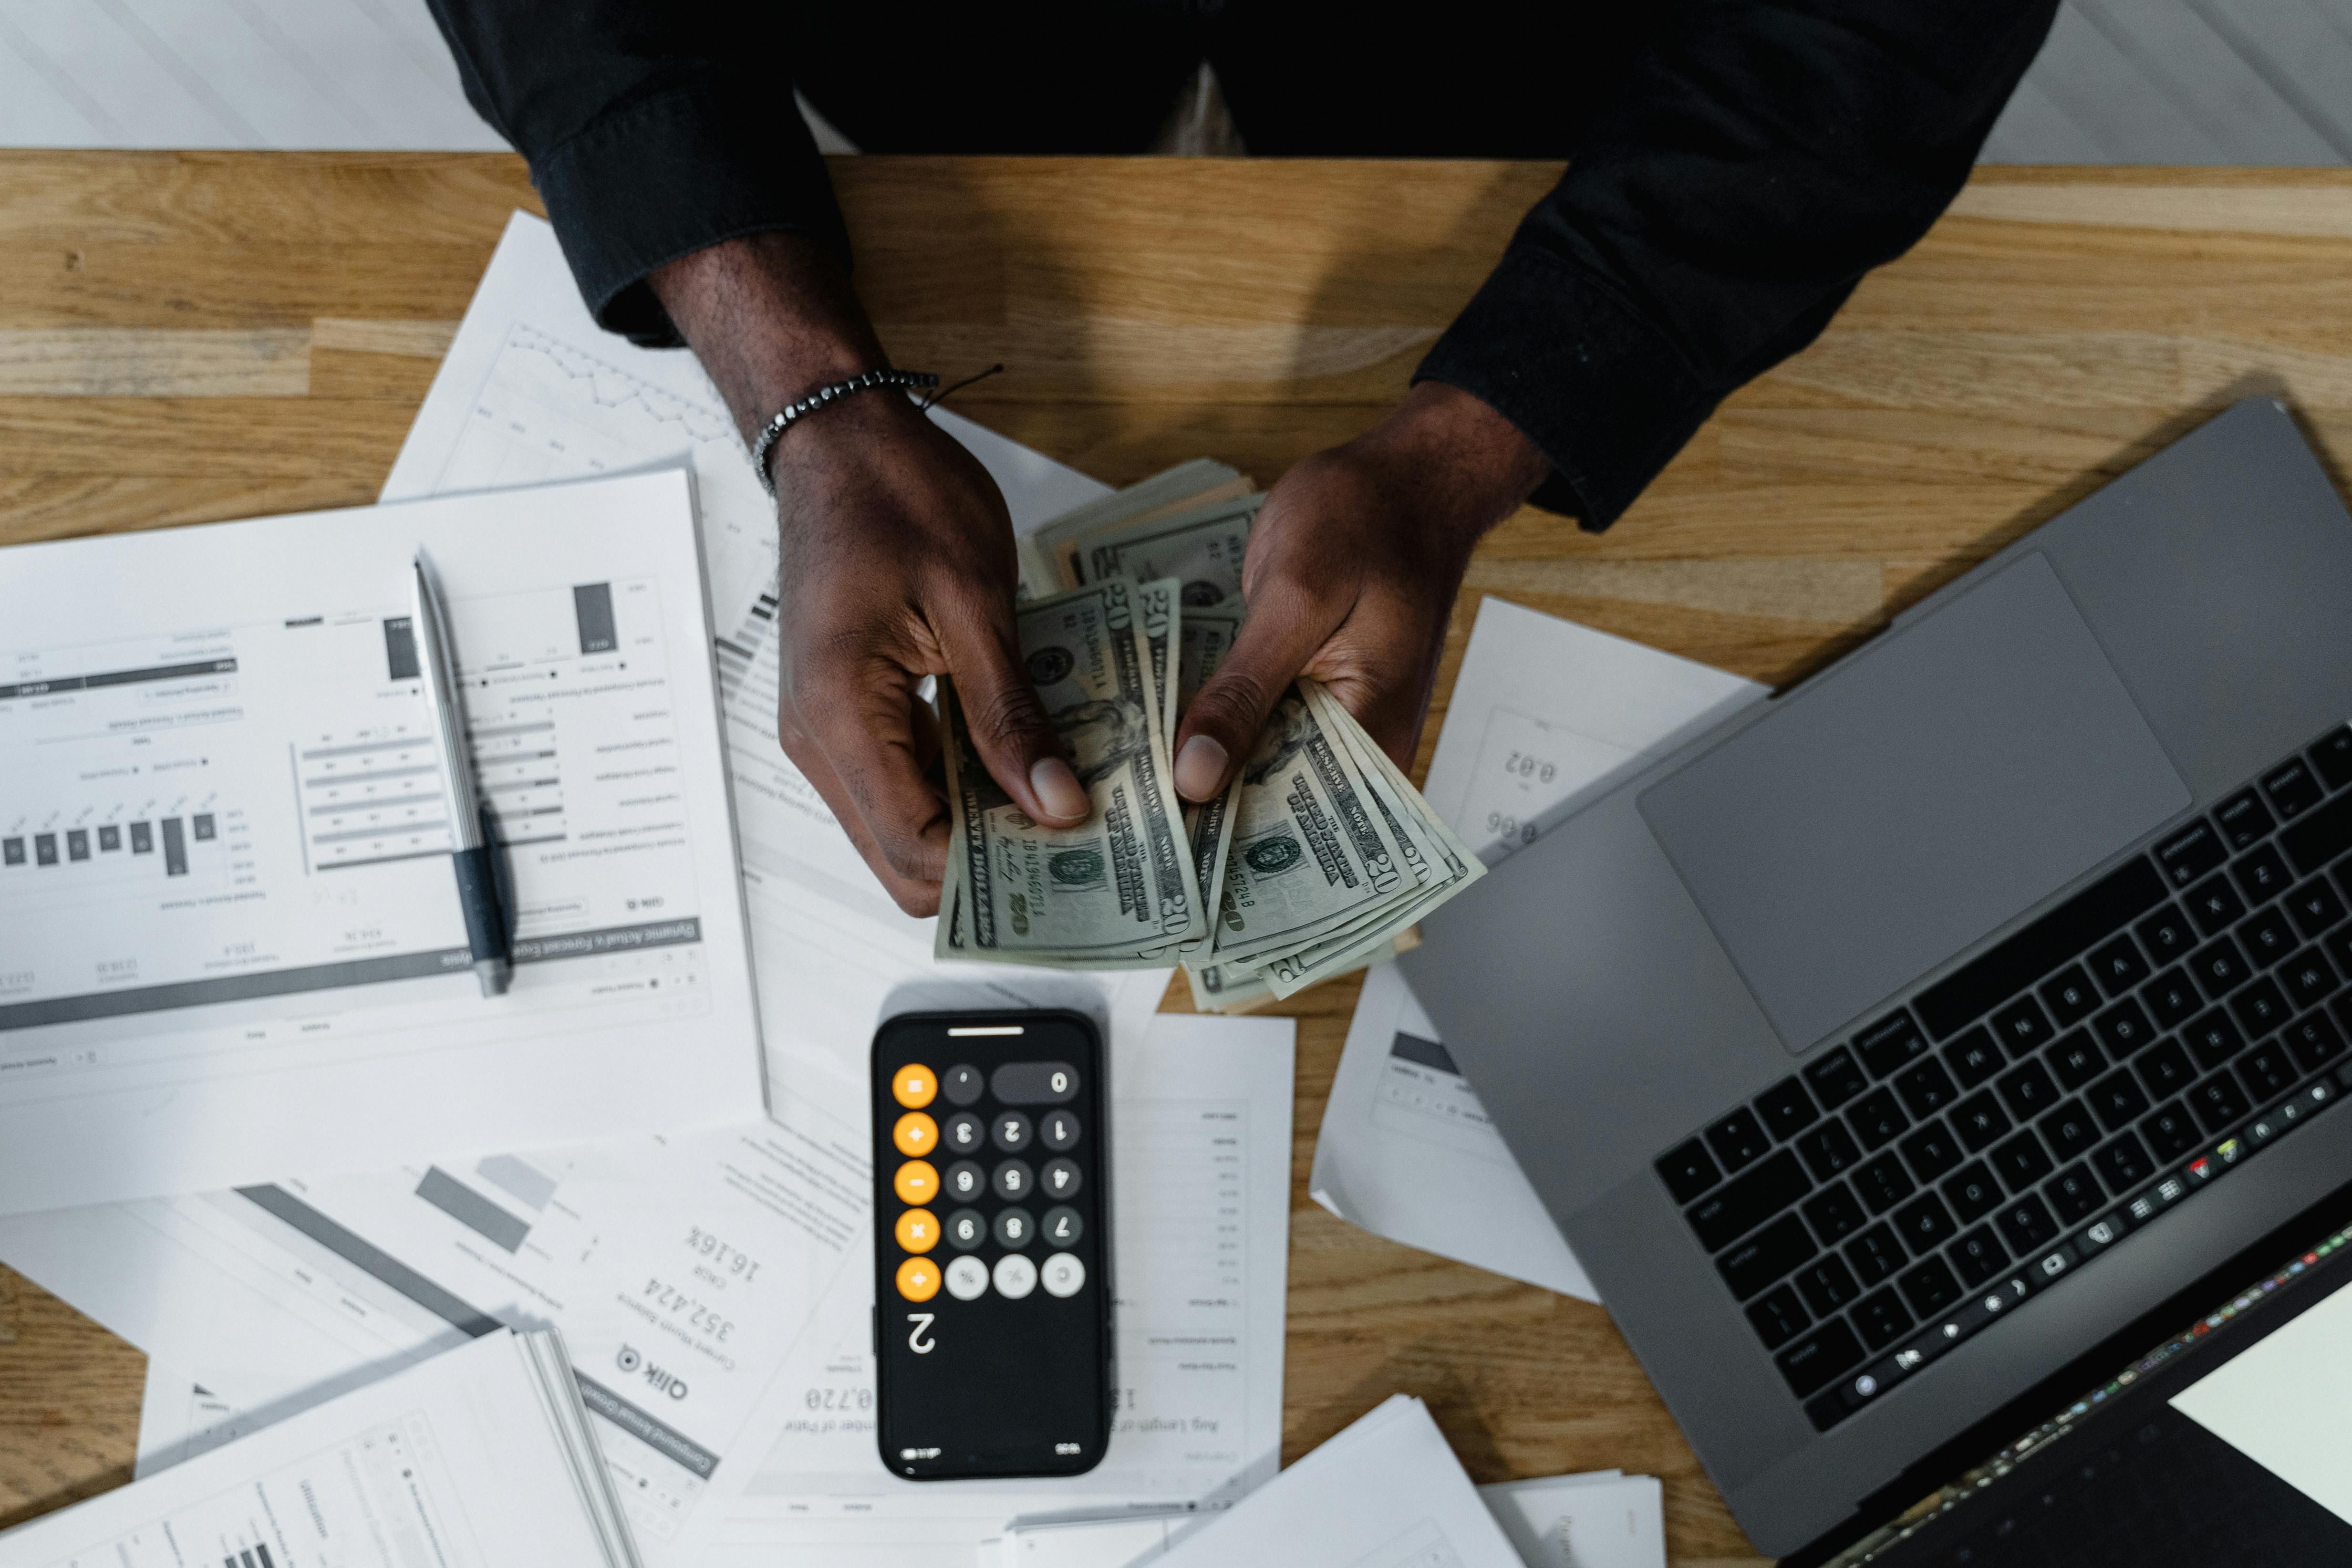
(1063,1178)
(1059,1129)
(912,1086)
(962,1085)
(916,1183)
(967,1278)
(1014,1228)
(918,1230)
(1063,1225)
(1015,1275)
(967,1228)
(1064,1274)
(966,1181)
(918,1279)
(916,1133)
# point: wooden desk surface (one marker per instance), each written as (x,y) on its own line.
(186,338)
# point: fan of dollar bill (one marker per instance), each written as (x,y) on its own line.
(1314,861)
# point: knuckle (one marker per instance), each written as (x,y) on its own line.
(1007,710)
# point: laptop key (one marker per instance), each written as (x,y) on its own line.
(2261,1009)
(2170,1132)
(2076,1059)
(1766,1257)
(2123,1028)
(1974,1058)
(1888,1043)
(1924,1224)
(1731,1211)
(2124,1162)
(2166,935)
(2069,995)
(1834,1213)
(2214,905)
(1826,1284)
(2068,1129)
(2214,1039)
(1882,1318)
(2027,1090)
(1930,1152)
(2293,789)
(2027,957)
(2319,836)
(2267,1070)
(2244,820)
(2219,967)
(2118,965)
(1779,1317)
(2026,1224)
(1876,1118)
(2218,1103)
(1882,1183)
(2314,1040)
(2022,1161)
(1738,1140)
(1978,1120)
(1978,1255)
(1925,1088)
(2172,997)
(1813,1361)
(1836,1079)
(1973,1193)
(2023,1027)
(2315,908)
(2116,1100)
(2166,1070)
(1828,1150)
(2190,853)
(1787,1109)
(1930,1287)
(2308,977)
(2333,758)
(2260,875)
(2076,1193)
(1876,1255)
(1688,1170)
(2267,936)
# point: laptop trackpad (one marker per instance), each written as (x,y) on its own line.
(1912,801)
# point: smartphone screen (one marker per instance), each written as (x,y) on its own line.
(991,1248)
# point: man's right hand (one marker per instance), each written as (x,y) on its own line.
(896,563)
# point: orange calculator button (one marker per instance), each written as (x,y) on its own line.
(916,1133)
(918,1279)
(916,1183)
(919,1230)
(914,1085)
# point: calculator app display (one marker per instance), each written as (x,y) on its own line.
(992,1306)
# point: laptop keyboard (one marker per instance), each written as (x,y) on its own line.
(2019,1116)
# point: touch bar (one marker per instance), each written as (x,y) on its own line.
(2099,910)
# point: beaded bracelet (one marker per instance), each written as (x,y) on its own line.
(794,413)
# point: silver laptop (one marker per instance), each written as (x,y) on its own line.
(1885,1050)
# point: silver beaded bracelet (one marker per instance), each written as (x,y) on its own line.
(794,413)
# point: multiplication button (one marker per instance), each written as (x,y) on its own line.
(1064,1274)
(967,1278)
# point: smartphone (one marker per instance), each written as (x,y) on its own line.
(992,1244)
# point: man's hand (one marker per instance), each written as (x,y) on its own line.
(896,563)
(1354,565)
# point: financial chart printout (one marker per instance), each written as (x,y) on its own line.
(230,940)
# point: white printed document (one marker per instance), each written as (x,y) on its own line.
(1546,715)
(533,390)
(1603,1519)
(479,1458)
(1200,1161)
(230,939)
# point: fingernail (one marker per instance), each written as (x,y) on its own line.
(1200,768)
(1058,790)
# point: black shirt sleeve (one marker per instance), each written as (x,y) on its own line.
(1764,154)
(654,127)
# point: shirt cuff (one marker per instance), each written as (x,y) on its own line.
(1581,374)
(667,175)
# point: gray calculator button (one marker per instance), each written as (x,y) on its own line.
(1064,1274)
(1063,1226)
(1058,1130)
(1015,1275)
(1035,1083)
(967,1228)
(961,1085)
(968,1280)
(1063,1178)
(965,1181)
(1014,1228)
(1013,1181)
(964,1135)
(1010,1131)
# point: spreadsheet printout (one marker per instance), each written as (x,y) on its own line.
(230,939)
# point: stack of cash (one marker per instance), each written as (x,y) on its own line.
(1311,865)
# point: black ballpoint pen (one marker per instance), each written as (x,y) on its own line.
(470,820)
